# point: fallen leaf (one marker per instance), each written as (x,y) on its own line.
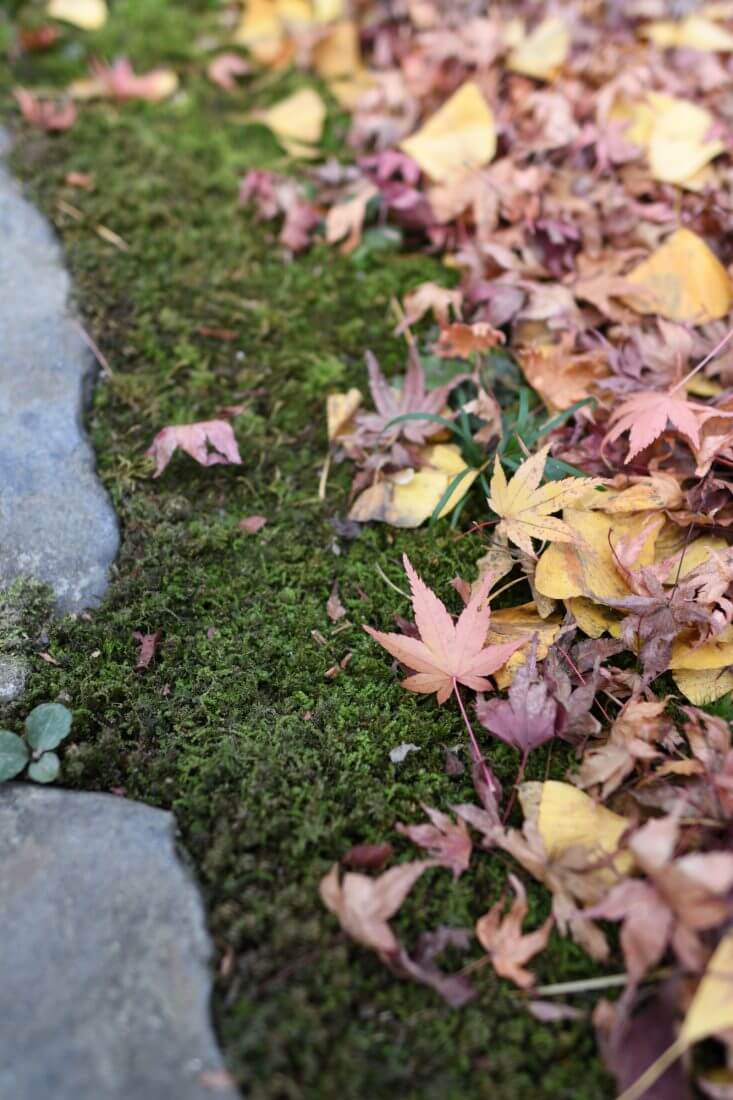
(458,138)
(409,497)
(542,53)
(364,905)
(502,938)
(252,524)
(447,842)
(83,180)
(525,509)
(120,82)
(368,857)
(711,1011)
(147,647)
(703,686)
(446,653)
(529,717)
(90,15)
(685,281)
(297,122)
(209,442)
(340,410)
(346,219)
(645,416)
(334,608)
(225,68)
(674,132)
(433,298)
(694,32)
(464,341)
(568,818)
(45,114)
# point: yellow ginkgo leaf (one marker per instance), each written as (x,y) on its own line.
(678,144)
(409,497)
(715,653)
(674,132)
(90,15)
(297,122)
(525,508)
(589,567)
(337,55)
(459,138)
(696,32)
(262,32)
(684,281)
(594,619)
(703,686)
(711,1011)
(543,52)
(510,624)
(569,818)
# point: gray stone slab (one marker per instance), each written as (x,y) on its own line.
(105,984)
(56,521)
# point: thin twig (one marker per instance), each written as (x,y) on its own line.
(391,584)
(589,985)
(101,359)
(703,362)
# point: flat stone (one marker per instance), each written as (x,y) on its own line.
(105,983)
(13,676)
(56,521)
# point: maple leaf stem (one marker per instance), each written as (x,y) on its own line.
(489,778)
(703,362)
(515,788)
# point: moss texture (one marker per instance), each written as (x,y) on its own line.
(272,769)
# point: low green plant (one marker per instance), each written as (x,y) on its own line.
(45,728)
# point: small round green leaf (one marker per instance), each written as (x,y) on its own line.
(46,726)
(13,755)
(46,769)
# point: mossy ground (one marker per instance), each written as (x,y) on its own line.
(271,769)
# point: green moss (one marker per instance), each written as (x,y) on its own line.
(272,769)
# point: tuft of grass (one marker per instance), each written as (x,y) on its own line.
(273,770)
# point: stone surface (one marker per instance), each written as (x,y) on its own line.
(56,521)
(105,983)
(13,676)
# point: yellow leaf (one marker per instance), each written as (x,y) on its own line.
(647,494)
(512,624)
(716,653)
(594,619)
(702,686)
(543,52)
(340,409)
(297,122)
(261,31)
(525,509)
(678,147)
(409,497)
(693,33)
(685,281)
(337,55)
(569,818)
(711,1011)
(459,138)
(90,15)
(588,568)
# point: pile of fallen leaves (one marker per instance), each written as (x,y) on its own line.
(574,386)
(573,170)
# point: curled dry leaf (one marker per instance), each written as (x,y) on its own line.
(147,648)
(45,114)
(502,938)
(209,442)
(225,68)
(448,842)
(364,905)
(120,82)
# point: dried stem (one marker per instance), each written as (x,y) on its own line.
(489,778)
